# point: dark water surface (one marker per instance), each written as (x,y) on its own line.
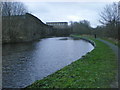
(26,62)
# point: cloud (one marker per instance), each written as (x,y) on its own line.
(73,18)
(68,0)
(67,11)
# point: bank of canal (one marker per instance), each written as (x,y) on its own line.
(96,70)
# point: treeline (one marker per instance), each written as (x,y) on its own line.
(82,27)
(110,20)
(19,26)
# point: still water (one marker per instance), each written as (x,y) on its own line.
(26,62)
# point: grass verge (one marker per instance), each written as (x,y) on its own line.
(113,41)
(96,70)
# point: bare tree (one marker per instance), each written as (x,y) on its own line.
(109,14)
(110,19)
(13,8)
(9,23)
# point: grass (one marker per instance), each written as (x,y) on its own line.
(96,70)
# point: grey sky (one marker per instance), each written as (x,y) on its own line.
(67,11)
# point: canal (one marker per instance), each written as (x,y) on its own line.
(24,63)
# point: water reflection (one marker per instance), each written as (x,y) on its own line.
(24,63)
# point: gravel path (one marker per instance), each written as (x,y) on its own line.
(115,50)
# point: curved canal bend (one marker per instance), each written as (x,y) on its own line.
(27,62)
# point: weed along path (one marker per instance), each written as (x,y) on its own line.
(95,70)
(115,49)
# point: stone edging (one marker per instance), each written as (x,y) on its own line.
(86,39)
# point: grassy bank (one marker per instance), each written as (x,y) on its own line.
(96,70)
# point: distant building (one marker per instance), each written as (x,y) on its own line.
(58,24)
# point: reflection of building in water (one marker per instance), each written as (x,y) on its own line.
(58,24)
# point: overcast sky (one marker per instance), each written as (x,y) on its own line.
(67,11)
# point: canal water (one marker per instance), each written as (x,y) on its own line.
(24,63)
